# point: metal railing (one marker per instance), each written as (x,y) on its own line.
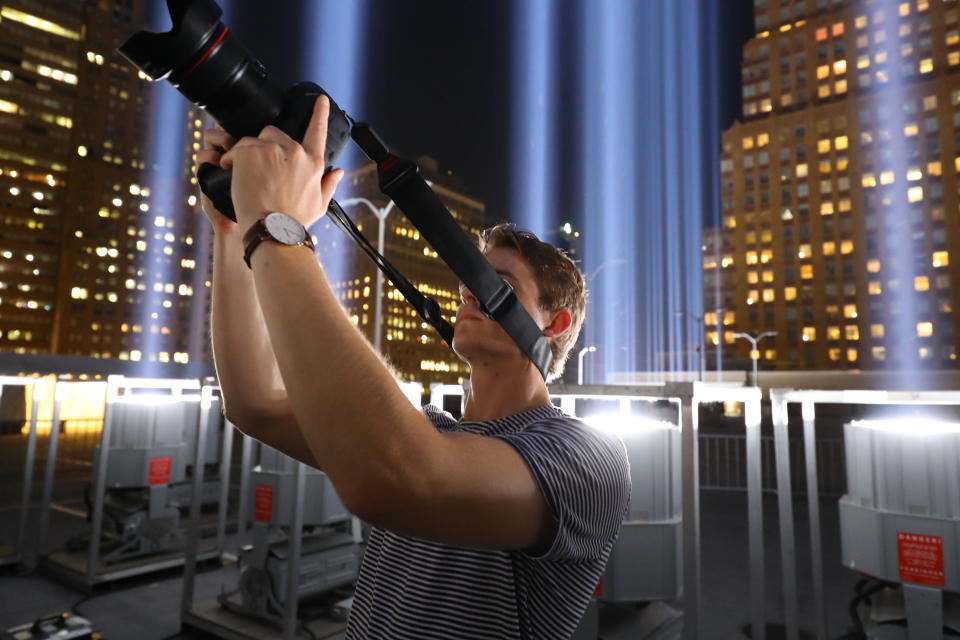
(723,464)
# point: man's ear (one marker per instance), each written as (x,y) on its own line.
(559,324)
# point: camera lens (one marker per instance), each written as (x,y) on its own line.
(210,66)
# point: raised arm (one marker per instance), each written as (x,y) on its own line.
(254,397)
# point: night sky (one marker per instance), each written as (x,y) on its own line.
(437,76)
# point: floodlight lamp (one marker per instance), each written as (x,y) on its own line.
(910,426)
(625,425)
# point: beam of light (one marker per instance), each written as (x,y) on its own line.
(610,175)
(334,45)
(898,217)
(533,117)
(165,165)
(645,147)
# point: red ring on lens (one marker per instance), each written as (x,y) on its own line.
(207,54)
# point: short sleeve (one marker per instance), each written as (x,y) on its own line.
(585,478)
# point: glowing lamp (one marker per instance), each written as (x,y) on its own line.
(645,563)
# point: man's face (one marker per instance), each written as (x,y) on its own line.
(477,339)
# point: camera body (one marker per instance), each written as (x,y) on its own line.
(214,70)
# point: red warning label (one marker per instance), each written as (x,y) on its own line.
(160,470)
(263,503)
(921,558)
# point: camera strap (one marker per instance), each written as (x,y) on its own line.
(427,307)
(401,181)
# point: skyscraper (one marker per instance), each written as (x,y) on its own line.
(839,226)
(101,251)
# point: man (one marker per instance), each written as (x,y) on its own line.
(498,526)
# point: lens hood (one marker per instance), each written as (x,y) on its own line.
(158,54)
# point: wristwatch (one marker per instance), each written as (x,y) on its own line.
(278,227)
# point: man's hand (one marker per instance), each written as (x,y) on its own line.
(273,173)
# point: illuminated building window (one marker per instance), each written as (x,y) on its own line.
(790,293)
(748,142)
(729,317)
(840,142)
(752,257)
(860,22)
(911,129)
(921,283)
(823,146)
(802,170)
(804,251)
(770,354)
(846,246)
(873,265)
(769,295)
(851,332)
(833,333)
(726,261)
(79,293)
(766,105)
(826,208)
(766,256)
(934,168)
(926,65)
(914,174)
(710,318)
(768,276)
(941,258)
(887,177)
(809,334)
(863,62)
(753,277)
(915,194)
(834,353)
(953,58)
(845,204)
(849,311)
(806,271)
(763,139)
(821,34)
(823,71)
(840,67)
(924,329)
(851,355)
(876,331)
(879,353)
(929,103)
(837,29)
(829,248)
(38,23)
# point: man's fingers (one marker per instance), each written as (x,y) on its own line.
(217,138)
(315,140)
(207,155)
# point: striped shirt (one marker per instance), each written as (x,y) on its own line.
(416,589)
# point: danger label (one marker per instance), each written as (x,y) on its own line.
(263,503)
(921,558)
(160,470)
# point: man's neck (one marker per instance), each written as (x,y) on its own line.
(498,392)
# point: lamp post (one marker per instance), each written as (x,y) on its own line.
(381,214)
(754,352)
(583,353)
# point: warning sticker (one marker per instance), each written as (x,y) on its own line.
(921,558)
(263,503)
(160,470)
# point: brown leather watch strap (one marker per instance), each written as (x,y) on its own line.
(258,233)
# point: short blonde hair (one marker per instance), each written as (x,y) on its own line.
(559,281)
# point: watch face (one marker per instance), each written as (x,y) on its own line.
(284,228)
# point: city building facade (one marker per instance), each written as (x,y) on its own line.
(839,211)
(104,251)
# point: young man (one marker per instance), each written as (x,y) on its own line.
(497,526)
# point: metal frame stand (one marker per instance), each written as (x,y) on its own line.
(93,574)
(779,400)
(29,460)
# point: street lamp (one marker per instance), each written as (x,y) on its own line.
(583,353)
(754,352)
(381,214)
